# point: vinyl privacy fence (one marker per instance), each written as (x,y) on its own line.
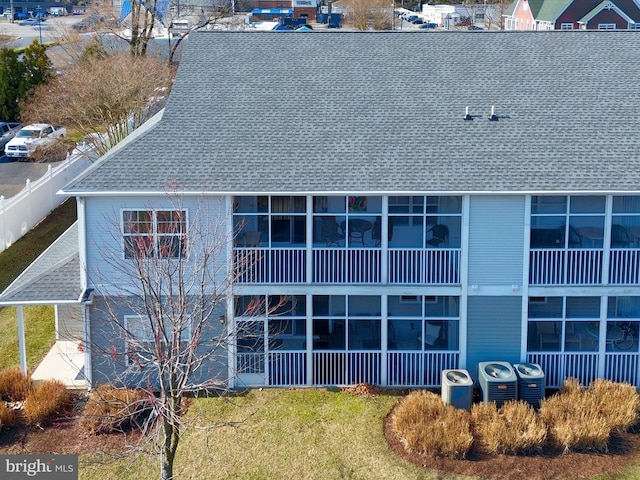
(23,211)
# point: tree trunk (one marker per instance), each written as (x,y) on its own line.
(169,446)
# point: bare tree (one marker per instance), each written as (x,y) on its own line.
(108,93)
(161,309)
(139,21)
(363,14)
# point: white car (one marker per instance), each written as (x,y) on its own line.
(23,146)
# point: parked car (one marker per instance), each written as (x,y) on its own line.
(32,137)
(418,21)
(8,130)
(30,21)
(428,25)
(473,27)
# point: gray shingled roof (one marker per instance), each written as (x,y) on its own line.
(338,112)
(54,277)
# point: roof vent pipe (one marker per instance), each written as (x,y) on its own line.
(466,114)
(493,117)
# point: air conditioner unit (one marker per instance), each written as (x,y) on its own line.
(498,382)
(457,388)
(531,383)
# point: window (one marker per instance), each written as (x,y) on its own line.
(566,26)
(623,324)
(567,222)
(432,323)
(425,221)
(606,26)
(625,222)
(348,222)
(569,324)
(269,221)
(149,233)
(283,317)
(139,339)
(346,322)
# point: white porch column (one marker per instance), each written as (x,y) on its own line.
(21,340)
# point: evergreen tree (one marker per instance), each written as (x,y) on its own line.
(11,84)
(20,75)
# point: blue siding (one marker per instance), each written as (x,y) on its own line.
(496,247)
(493,330)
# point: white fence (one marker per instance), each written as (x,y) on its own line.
(23,211)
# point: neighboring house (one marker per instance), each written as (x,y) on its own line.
(573,15)
(277,9)
(414,219)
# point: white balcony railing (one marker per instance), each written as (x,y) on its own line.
(624,267)
(565,267)
(270,265)
(431,266)
(354,265)
(346,368)
(558,366)
(419,369)
(622,367)
(287,368)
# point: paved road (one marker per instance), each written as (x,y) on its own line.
(24,35)
(14,175)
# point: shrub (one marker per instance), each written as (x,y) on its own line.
(619,403)
(8,416)
(425,425)
(47,399)
(14,385)
(574,421)
(111,409)
(514,429)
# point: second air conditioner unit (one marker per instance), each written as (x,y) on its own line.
(498,382)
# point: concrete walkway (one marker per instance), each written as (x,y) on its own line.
(64,362)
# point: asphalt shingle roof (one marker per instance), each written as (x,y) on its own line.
(260,112)
(54,277)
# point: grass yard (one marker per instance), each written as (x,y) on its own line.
(39,335)
(278,434)
(308,434)
(39,320)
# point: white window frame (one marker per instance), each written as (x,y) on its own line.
(155,234)
(566,26)
(607,26)
(144,335)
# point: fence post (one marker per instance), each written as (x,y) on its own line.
(29,209)
(52,192)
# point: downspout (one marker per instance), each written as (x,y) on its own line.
(86,301)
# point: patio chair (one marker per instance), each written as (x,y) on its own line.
(376,231)
(330,231)
(620,238)
(439,235)
(251,238)
(431,333)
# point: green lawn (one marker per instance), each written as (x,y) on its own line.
(39,320)
(274,434)
(278,434)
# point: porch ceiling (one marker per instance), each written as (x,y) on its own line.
(53,277)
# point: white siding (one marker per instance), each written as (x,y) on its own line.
(496,241)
